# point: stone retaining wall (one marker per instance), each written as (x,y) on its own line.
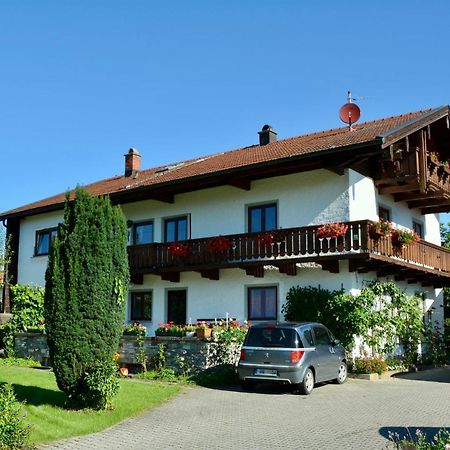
(198,354)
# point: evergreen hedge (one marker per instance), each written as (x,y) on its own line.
(86,282)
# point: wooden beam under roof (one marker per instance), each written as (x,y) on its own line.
(240,183)
(397,188)
(416,195)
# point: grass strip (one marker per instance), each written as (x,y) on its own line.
(45,404)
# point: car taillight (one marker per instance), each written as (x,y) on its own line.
(296,356)
(242,354)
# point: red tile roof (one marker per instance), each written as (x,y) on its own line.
(243,157)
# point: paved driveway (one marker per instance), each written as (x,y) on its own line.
(356,415)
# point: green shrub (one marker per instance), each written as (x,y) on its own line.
(19,362)
(100,385)
(28,311)
(440,441)
(86,282)
(14,433)
(435,352)
(369,365)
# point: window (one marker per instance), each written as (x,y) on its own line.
(308,336)
(44,239)
(140,233)
(384,213)
(418,228)
(176,229)
(262,303)
(141,305)
(322,336)
(262,217)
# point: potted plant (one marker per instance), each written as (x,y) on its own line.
(179,249)
(219,245)
(401,238)
(203,330)
(170,329)
(266,239)
(331,230)
(380,229)
(134,329)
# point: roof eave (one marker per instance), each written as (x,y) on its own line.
(413,125)
(233,171)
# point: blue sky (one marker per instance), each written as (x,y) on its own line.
(82,81)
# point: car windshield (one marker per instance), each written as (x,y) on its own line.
(273,337)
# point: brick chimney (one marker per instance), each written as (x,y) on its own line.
(267,135)
(132,162)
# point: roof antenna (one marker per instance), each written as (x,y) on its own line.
(350,112)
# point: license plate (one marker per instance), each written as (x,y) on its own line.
(269,372)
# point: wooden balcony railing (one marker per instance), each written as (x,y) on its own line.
(292,244)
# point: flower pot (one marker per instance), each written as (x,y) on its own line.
(123,371)
(203,333)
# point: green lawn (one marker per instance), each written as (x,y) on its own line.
(50,421)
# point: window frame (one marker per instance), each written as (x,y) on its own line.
(263,207)
(381,209)
(177,219)
(132,229)
(44,231)
(266,317)
(419,224)
(141,315)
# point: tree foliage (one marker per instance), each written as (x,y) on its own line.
(28,312)
(86,282)
(382,314)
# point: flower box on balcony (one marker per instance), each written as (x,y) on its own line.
(331,230)
(379,229)
(179,250)
(219,245)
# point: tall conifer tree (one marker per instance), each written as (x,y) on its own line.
(86,282)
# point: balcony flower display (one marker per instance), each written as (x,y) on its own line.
(380,229)
(219,244)
(178,249)
(401,238)
(267,238)
(331,230)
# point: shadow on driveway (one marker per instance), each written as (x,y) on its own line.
(439,375)
(410,433)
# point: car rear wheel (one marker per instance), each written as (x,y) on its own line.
(342,373)
(307,385)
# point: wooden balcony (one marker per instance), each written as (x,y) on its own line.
(414,169)
(418,262)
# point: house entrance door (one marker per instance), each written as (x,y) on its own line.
(176,306)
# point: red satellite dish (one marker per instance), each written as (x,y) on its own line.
(349,113)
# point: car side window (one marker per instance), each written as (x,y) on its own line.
(322,337)
(308,337)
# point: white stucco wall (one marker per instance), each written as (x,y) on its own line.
(210,299)
(32,268)
(303,199)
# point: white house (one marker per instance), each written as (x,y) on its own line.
(393,168)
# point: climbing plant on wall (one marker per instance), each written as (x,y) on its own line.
(382,314)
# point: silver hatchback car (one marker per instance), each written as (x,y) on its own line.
(300,354)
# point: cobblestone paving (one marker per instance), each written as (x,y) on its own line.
(356,415)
